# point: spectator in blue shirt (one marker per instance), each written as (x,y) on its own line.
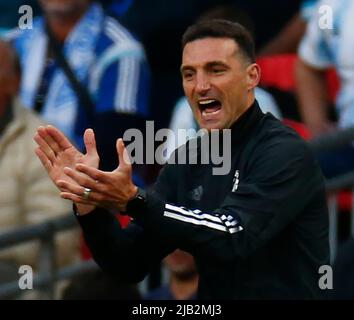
(106,60)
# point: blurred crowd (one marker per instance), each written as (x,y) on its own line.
(113,64)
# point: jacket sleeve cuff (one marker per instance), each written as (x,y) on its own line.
(151,212)
(96,217)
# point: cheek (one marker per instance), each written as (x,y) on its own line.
(238,89)
(232,93)
(187,88)
(190,104)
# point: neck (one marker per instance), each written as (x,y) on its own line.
(183,288)
(250,98)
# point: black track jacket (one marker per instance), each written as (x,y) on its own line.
(259,232)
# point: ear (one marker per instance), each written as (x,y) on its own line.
(253,75)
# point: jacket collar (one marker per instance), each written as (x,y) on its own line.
(244,125)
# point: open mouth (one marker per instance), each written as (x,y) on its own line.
(209,107)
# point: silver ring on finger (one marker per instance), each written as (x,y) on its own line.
(86,194)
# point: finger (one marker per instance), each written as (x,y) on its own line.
(47,138)
(93,173)
(78,191)
(45,147)
(82,179)
(75,198)
(44,159)
(90,142)
(124,161)
(58,137)
(73,188)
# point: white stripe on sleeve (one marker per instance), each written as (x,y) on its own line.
(197,217)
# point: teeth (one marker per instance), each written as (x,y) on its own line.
(206,101)
(205,113)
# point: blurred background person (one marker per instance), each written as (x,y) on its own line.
(327,47)
(27,196)
(183,278)
(320,49)
(287,39)
(82,68)
(97,285)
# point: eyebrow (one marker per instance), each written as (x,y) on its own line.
(207,65)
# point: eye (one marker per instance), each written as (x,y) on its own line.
(188,75)
(217,70)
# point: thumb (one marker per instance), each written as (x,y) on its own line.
(90,142)
(124,160)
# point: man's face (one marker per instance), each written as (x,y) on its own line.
(216,81)
(63,7)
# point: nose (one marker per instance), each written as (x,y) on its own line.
(202,83)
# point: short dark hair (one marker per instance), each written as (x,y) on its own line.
(219,28)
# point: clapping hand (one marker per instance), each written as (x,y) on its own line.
(111,190)
(56,153)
